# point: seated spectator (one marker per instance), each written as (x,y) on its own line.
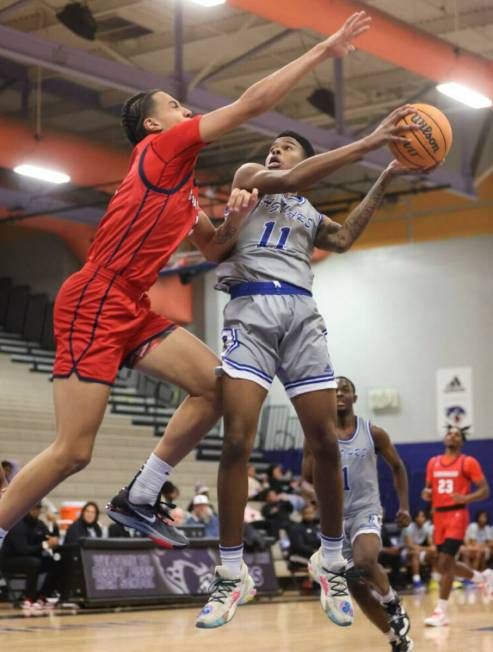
(6,471)
(251,514)
(201,490)
(50,517)
(169,492)
(254,484)
(418,547)
(28,550)
(179,516)
(280,482)
(86,526)
(478,542)
(202,514)
(390,554)
(276,513)
(304,537)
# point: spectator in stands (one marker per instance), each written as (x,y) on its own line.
(390,554)
(201,490)
(276,513)
(179,516)
(28,550)
(86,526)
(478,542)
(304,537)
(418,547)
(278,481)
(169,492)
(254,484)
(202,514)
(6,470)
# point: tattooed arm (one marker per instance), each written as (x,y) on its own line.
(340,239)
(217,243)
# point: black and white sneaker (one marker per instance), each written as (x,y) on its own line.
(154,521)
(404,644)
(398,619)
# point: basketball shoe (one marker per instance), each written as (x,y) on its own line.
(437,619)
(486,587)
(398,619)
(226,594)
(334,592)
(404,644)
(154,521)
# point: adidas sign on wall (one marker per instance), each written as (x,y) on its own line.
(454,399)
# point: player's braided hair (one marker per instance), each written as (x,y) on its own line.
(463,431)
(134,111)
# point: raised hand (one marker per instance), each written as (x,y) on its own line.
(340,43)
(241,202)
(388,131)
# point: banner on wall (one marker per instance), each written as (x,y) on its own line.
(454,398)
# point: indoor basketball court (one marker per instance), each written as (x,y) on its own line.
(246,263)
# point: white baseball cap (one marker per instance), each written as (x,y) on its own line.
(200,500)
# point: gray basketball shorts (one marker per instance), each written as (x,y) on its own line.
(283,335)
(364,522)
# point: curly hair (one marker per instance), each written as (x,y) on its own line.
(134,111)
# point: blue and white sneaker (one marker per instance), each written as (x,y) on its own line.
(154,521)
(226,594)
(418,586)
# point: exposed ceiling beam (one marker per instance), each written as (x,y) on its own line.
(34,50)
(389,39)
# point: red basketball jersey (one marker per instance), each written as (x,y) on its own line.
(448,475)
(154,208)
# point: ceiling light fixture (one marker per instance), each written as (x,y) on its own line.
(464,94)
(209,3)
(41,173)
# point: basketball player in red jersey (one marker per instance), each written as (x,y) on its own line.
(102,313)
(448,486)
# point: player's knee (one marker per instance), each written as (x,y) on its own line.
(366,565)
(235,448)
(71,460)
(324,446)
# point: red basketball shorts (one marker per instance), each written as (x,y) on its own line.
(102,323)
(450,525)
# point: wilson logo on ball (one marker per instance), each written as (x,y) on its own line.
(426,130)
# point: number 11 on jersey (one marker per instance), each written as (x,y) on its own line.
(283,238)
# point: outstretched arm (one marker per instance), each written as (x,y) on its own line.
(342,239)
(316,168)
(389,453)
(217,243)
(267,92)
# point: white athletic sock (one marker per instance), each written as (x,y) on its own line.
(436,576)
(477,577)
(416,578)
(147,486)
(232,558)
(331,549)
(383,599)
(442,605)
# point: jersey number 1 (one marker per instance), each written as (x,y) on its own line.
(345,473)
(283,238)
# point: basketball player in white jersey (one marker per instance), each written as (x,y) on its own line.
(272,327)
(360,442)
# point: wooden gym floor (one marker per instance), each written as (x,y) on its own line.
(295,626)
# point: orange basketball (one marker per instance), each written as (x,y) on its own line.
(429,145)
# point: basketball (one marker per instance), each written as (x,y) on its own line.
(428,146)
